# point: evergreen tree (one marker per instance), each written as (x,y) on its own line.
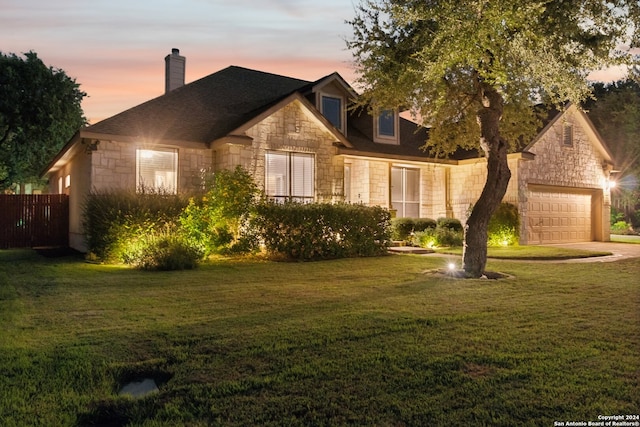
(39,112)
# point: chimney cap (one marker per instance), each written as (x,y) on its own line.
(175,51)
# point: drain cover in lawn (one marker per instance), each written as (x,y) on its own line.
(139,388)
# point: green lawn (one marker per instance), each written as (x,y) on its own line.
(374,341)
(532,252)
(620,238)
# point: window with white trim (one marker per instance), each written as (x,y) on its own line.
(386,127)
(157,170)
(289,176)
(405,191)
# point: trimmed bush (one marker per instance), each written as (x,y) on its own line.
(443,232)
(504,226)
(114,218)
(452,224)
(318,231)
(422,224)
(402,228)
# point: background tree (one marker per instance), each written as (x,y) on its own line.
(615,112)
(39,112)
(472,69)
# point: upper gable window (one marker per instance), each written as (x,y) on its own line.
(332,109)
(386,127)
(157,170)
(567,135)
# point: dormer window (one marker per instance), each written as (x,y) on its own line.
(333,110)
(386,127)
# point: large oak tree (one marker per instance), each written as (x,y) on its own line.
(471,71)
(39,112)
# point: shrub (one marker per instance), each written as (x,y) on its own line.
(452,224)
(422,224)
(403,228)
(504,226)
(218,221)
(443,232)
(322,230)
(113,218)
(622,227)
(438,237)
(166,249)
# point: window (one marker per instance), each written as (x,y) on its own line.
(67,181)
(289,176)
(157,170)
(60,185)
(347,182)
(332,110)
(387,124)
(405,192)
(567,135)
(386,127)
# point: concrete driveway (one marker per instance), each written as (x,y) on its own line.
(619,250)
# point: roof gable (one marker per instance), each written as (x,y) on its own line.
(583,120)
(309,110)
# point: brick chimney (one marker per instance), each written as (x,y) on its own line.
(174,70)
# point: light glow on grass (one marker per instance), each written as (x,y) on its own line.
(243,339)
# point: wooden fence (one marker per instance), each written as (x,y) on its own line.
(32,220)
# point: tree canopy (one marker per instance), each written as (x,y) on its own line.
(471,70)
(39,112)
(615,112)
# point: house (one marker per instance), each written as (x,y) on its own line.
(300,140)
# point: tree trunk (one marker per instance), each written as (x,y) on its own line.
(474,253)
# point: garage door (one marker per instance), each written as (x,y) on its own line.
(559,217)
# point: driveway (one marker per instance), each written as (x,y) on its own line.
(619,250)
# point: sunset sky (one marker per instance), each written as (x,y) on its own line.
(115,49)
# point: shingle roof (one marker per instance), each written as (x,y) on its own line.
(205,109)
(215,105)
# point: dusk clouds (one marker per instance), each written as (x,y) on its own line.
(115,49)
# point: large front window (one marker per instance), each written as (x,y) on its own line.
(157,170)
(405,192)
(289,176)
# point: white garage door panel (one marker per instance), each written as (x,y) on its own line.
(559,217)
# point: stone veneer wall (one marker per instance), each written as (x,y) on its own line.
(467,182)
(579,166)
(292,129)
(114,166)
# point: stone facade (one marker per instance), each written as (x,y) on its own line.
(447,189)
(292,129)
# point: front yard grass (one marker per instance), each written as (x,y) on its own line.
(531,252)
(371,341)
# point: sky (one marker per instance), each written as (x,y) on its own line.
(115,49)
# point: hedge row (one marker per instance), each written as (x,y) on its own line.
(322,230)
